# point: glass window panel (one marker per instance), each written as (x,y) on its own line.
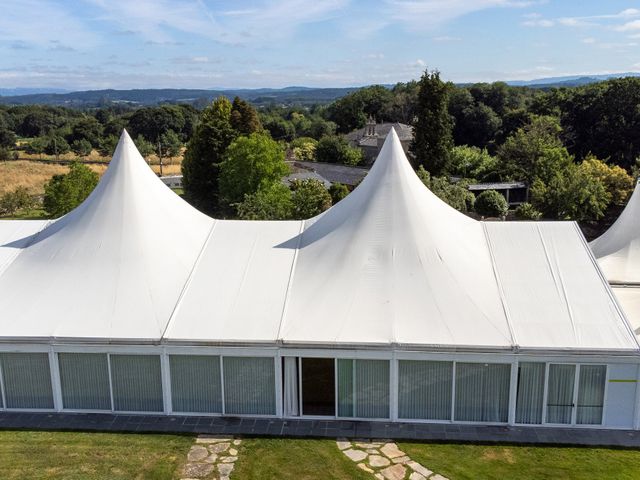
(591,394)
(27,380)
(195,383)
(84,380)
(482,392)
(137,383)
(424,389)
(345,387)
(530,399)
(249,385)
(560,393)
(372,389)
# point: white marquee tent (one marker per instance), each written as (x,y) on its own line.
(389,305)
(618,253)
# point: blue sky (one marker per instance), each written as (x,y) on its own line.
(92,44)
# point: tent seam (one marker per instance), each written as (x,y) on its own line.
(285,303)
(189,279)
(503,300)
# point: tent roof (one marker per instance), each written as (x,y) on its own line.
(618,249)
(113,268)
(390,265)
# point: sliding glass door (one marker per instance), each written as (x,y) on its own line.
(318,386)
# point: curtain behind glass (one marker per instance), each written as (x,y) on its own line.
(27,380)
(290,399)
(345,387)
(372,389)
(84,379)
(137,383)
(530,399)
(249,385)
(482,392)
(591,394)
(560,393)
(195,383)
(424,389)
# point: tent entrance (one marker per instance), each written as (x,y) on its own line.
(318,386)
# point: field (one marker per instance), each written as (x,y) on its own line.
(101,456)
(34,174)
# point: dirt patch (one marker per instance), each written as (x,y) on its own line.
(499,455)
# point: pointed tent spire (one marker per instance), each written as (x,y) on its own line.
(133,240)
(394,242)
(618,249)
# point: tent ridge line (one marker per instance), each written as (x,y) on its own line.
(189,279)
(503,300)
(285,303)
(608,287)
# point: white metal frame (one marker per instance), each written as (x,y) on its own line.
(277,353)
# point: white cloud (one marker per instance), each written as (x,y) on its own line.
(589,40)
(156,20)
(431,13)
(541,22)
(446,39)
(629,26)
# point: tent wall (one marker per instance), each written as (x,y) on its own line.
(588,391)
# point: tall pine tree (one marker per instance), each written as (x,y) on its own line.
(433,125)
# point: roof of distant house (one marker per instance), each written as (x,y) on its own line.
(404,132)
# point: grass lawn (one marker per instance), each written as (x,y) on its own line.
(468,461)
(75,456)
(294,459)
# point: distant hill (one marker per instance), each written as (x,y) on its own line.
(260,97)
(569,81)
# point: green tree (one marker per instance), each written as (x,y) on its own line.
(36,146)
(273,202)
(56,145)
(456,195)
(204,154)
(472,162)
(336,150)
(534,151)
(108,145)
(18,199)
(338,191)
(170,145)
(144,146)
(309,198)
(526,211)
(244,118)
(7,138)
(433,139)
(304,149)
(491,204)
(251,163)
(65,192)
(617,182)
(82,147)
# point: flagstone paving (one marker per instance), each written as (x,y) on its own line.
(384,460)
(211,457)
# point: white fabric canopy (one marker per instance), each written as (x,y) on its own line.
(618,249)
(390,265)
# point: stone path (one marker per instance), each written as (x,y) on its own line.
(384,460)
(211,457)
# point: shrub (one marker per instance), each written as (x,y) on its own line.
(63,193)
(526,211)
(491,204)
(19,199)
(338,191)
(309,197)
(333,149)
